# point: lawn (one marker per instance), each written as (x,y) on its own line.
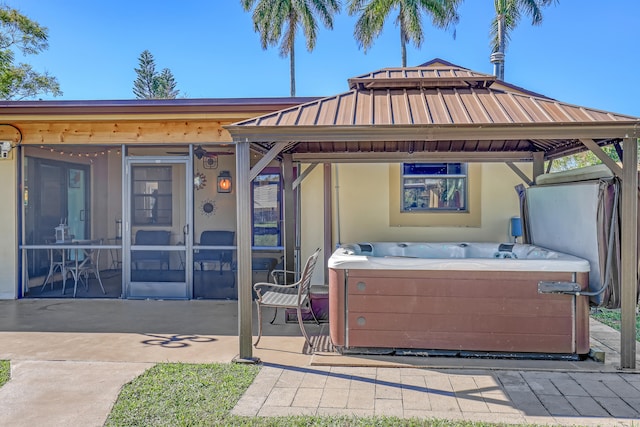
(176,394)
(611,317)
(5,372)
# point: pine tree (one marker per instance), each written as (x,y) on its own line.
(165,85)
(144,85)
(153,85)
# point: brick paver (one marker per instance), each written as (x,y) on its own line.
(544,397)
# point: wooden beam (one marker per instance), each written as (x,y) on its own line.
(118,132)
(431,156)
(549,166)
(243,240)
(264,162)
(451,132)
(303,175)
(523,176)
(629,250)
(608,161)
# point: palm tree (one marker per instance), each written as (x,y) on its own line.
(270,17)
(508,13)
(373,14)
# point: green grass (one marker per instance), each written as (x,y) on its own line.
(611,317)
(5,372)
(181,395)
(203,395)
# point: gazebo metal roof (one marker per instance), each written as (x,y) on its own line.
(433,108)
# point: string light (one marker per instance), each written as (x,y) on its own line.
(88,155)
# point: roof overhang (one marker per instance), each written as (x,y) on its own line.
(556,131)
(445,109)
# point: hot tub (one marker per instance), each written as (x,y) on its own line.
(477,297)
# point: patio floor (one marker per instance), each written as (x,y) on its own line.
(68,353)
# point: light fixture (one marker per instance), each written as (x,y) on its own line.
(5,148)
(224,182)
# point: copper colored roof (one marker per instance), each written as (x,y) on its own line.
(418,77)
(434,108)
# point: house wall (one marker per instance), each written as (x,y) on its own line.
(362,194)
(224,216)
(9,226)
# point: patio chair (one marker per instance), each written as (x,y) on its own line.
(59,261)
(294,295)
(88,265)
(215,238)
(151,238)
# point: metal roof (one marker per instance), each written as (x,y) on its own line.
(434,108)
(148,106)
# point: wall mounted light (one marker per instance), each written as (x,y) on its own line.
(224,182)
(5,148)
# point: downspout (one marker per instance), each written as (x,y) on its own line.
(298,219)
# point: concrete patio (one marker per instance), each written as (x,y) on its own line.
(70,357)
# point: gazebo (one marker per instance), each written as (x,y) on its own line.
(436,112)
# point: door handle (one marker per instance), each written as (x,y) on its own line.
(81,214)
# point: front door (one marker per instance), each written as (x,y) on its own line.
(158,199)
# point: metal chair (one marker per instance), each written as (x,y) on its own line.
(59,261)
(215,238)
(88,265)
(151,238)
(295,295)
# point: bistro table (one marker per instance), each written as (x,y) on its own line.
(64,261)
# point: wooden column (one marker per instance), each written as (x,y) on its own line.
(243,241)
(289,213)
(328,217)
(629,254)
(538,164)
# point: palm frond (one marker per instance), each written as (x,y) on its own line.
(370,22)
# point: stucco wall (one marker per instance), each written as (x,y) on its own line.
(8,227)
(361,198)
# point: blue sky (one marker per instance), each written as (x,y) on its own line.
(584,53)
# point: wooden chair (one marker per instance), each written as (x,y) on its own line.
(294,295)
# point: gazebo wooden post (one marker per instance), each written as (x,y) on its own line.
(243,240)
(538,165)
(629,246)
(289,213)
(328,217)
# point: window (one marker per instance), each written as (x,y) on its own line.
(151,195)
(267,209)
(434,187)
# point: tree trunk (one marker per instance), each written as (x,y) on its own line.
(403,47)
(292,69)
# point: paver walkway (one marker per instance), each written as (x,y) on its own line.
(536,397)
